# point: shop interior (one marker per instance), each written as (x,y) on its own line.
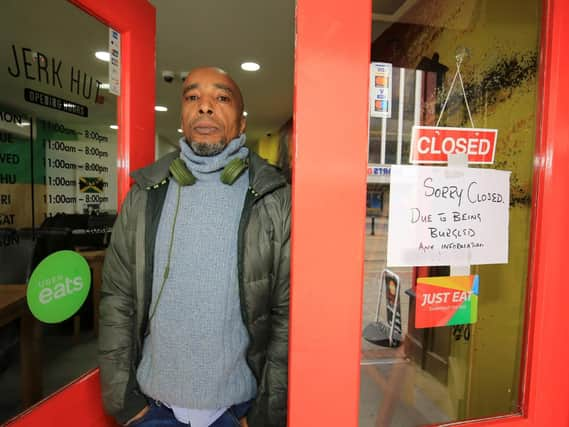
(58,189)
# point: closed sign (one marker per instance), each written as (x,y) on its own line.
(430,144)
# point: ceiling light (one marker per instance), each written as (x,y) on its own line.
(250,66)
(23,124)
(115,127)
(180,131)
(103,56)
(161,108)
(245,113)
(104,86)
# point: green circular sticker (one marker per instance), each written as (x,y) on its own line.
(59,286)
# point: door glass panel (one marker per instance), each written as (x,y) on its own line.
(429,375)
(58,189)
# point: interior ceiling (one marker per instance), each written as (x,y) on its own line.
(225,33)
(52,28)
(221,33)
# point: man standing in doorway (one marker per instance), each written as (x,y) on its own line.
(195,298)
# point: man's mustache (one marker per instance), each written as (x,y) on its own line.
(199,120)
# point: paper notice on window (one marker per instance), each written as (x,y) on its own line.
(448,216)
(380,89)
(114,62)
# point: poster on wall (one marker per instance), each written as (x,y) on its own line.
(447,216)
(446,301)
(380,89)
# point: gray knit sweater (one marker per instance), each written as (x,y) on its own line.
(194,356)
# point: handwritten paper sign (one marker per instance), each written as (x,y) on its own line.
(448,216)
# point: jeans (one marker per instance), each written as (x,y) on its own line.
(160,415)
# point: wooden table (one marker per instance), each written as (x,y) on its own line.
(13,306)
(95,259)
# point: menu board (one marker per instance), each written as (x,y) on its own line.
(15,172)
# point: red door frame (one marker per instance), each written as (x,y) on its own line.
(330,153)
(79,403)
(331,81)
(136,21)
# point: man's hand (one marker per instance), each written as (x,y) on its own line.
(138,416)
(243,422)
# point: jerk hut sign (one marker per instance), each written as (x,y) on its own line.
(51,71)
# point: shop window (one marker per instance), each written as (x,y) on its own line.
(58,185)
(412,374)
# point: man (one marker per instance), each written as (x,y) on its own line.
(195,297)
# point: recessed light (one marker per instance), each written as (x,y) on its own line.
(161,108)
(115,127)
(245,113)
(103,56)
(180,130)
(104,86)
(250,66)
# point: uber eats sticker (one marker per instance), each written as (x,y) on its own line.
(58,286)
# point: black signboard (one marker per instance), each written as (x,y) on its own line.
(54,102)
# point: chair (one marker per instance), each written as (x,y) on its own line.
(15,255)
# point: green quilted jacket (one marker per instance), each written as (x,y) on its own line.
(263,266)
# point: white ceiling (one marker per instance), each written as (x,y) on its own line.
(190,33)
(62,33)
(225,33)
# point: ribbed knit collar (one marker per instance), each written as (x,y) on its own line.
(208,167)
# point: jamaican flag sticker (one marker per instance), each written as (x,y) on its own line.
(91,184)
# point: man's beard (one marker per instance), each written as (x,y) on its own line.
(207,149)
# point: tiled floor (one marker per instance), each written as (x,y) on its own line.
(393,390)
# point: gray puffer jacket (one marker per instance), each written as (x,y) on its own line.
(263,266)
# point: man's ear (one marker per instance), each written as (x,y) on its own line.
(243,125)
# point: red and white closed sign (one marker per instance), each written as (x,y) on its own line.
(430,144)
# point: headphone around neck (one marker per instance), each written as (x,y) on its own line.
(183,177)
(229,174)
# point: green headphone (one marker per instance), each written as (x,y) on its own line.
(229,174)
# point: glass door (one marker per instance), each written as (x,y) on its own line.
(67,119)
(448,373)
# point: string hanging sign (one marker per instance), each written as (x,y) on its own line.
(433,144)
